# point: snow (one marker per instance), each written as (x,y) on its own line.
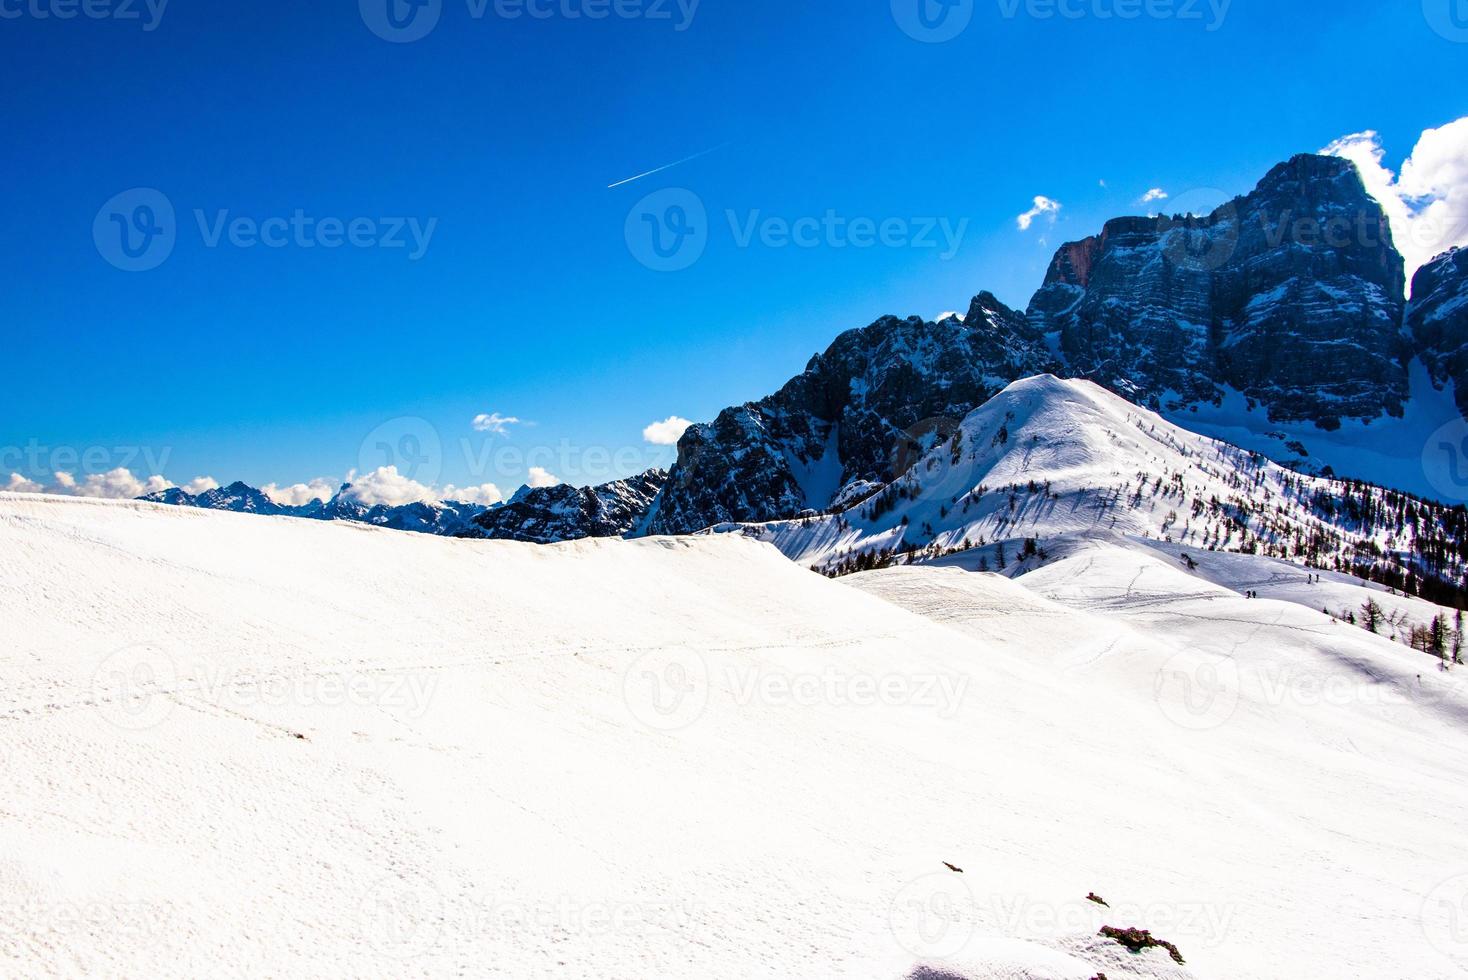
(1388,451)
(1047,458)
(244,745)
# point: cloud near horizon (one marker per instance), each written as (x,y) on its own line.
(300,494)
(1044,206)
(117,484)
(1427,202)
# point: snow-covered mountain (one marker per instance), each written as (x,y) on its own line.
(543,515)
(841,420)
(1277,323)
(444,517)
(333,750)
(1291,295)
(1438,320)
(1047,459)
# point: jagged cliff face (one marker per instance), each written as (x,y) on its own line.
(845,420)
(565,513)
(1437,320)
(1291,295)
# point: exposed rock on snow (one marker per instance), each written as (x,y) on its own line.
(844,418)
(544,515)
(1438,320)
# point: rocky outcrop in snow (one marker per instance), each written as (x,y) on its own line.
(1437,320)
(1291,294)
(844,419)
(544,515)
(1047,458)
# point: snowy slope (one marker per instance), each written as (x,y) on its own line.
(1048,458)
(265,746)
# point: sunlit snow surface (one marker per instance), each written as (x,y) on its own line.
(243,746)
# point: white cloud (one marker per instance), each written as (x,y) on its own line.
(1103,184)
(495,422)
(199,484)
(1155,194)
(667,432)
(541,477)
(1043,206)
(486,495)
(118,484)
(299,494)
(1427,203)
(19,484)
(386,485)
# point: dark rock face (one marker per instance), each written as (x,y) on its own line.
(1291,294)
(845,418)
(1437,320)
(565,513)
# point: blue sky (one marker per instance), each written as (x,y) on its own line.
(502,135)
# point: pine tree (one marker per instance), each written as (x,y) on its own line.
(1371,616)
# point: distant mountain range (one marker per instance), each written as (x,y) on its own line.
(442,517)
(1278,323)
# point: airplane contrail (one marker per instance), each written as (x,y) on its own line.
(669,166)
